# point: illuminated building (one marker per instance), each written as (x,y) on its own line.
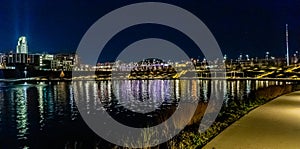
(14,59)
(45,61)
(64,62)
(2,60)
(22,45)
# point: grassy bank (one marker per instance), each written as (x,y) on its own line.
(235,109)
(190,138)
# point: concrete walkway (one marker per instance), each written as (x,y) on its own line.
(275,125)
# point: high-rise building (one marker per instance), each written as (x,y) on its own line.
(22,45)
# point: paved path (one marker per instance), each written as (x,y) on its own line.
(275,125)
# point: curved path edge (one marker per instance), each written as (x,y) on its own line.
(273,125)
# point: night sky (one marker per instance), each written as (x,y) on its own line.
(252,27)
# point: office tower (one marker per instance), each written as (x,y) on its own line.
(22,45)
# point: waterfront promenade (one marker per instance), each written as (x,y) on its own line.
(274,125)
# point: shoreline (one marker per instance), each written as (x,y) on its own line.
(89,78)
(229,115)
(269,130)
(45,75)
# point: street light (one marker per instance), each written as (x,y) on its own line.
(267,55)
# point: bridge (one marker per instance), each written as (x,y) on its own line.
(291,73)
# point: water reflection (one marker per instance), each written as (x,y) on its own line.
(1,110)
(41,106)
(21,112)
(36,113)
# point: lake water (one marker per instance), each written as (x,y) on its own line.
(45,115)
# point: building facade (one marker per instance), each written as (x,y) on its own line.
(22,46)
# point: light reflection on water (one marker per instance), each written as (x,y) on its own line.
(34,113)
(21,112)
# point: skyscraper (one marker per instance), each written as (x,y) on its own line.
(22,45)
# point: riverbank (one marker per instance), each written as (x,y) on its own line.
(273,125)
(14,74)
(190,138)
(94,78)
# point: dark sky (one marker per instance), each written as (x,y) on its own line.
(251,27)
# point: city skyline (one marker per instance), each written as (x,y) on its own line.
(252,28)
(22,48)
(149,74)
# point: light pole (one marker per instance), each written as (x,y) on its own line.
(287,44)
